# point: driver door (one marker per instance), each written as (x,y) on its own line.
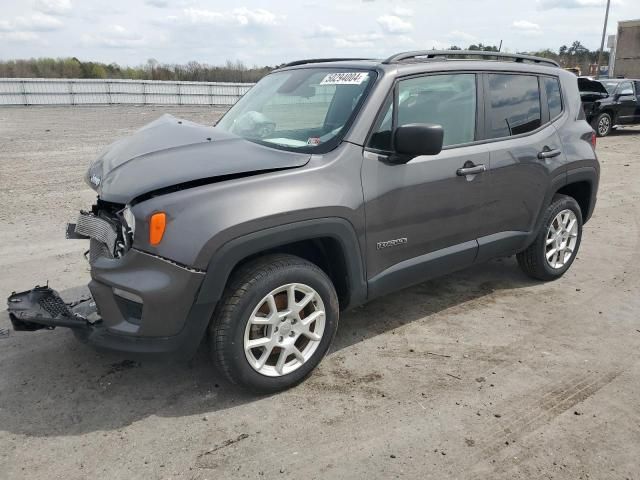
(628,103)
(423,217)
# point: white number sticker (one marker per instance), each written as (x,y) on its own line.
(346,78)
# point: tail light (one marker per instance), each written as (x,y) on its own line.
(594,140)
(157,224)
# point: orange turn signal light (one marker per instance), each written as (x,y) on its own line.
(157,225)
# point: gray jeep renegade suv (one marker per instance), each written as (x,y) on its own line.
(331,182)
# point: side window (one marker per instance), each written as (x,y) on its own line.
(446,100)
(554,99)
(625,88)
(514,105)
(381,137)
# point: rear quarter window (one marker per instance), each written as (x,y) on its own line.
(513,105)
(554,98)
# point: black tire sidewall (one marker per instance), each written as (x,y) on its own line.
(564,203)
(303,273)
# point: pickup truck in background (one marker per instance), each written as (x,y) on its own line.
(609,103)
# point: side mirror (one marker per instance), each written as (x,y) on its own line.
(417,139)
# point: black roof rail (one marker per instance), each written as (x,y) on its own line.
(431,54)
(320,60)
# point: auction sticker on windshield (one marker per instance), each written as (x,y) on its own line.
(345,78)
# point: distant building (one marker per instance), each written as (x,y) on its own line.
(626,50)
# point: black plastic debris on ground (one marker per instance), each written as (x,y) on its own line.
(124,365)
(4,333)
(121,366)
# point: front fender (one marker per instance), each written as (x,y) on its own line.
(231,253)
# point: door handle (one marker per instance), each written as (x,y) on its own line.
(548,153)
(471,170)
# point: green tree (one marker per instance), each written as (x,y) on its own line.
(98,71)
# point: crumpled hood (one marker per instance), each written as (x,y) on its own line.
(170,151)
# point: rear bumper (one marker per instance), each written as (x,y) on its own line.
(144,305)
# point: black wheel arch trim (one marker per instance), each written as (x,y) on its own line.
(574,175)
(233,252)
(556,184)
(591,176)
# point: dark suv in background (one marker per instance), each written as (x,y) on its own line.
(328,184)
(610,103)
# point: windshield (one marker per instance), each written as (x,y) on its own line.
(303,110)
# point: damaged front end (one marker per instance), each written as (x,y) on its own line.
(42,307)
(110,236)
(140,303)
(109,228)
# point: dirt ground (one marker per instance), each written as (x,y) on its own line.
(482,374)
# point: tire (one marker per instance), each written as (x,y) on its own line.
(564,245)
(603,125)
(259,291)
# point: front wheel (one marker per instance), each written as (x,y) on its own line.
(275,323)
(556,246)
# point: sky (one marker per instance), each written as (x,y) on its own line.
(256,32)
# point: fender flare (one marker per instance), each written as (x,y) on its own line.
(556,184)
(233,252)
(574,175)
(589,175)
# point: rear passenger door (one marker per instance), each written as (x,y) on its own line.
(525,152)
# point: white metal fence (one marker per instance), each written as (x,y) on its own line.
(50,91)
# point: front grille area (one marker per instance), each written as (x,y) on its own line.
(104,231)
(97,249)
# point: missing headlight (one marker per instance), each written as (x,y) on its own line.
(129,220)
(128,226)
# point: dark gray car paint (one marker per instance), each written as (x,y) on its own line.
(338,229)
(424,201)
(170,151)
(348,194)
(201,220)
(167,291)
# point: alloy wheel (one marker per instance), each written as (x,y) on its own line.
(284,330)
(603,125)
(561,239)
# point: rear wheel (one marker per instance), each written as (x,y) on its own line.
(603,124)
(556,246)
(276,321)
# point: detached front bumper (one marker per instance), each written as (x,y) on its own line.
(42,307)
(144,305)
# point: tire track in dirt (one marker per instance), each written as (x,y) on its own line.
(540,407)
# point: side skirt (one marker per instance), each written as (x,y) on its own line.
(422,268)
(502,244)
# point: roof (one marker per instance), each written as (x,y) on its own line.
(618,80)
(423,57)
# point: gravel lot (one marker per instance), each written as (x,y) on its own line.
(482,374)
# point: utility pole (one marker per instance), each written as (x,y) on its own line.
(604,33)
